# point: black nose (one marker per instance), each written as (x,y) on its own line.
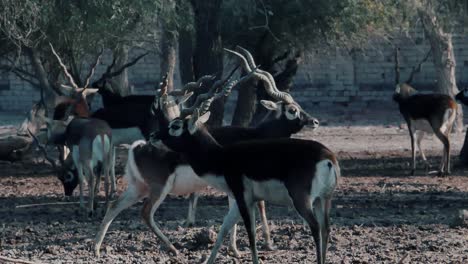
(314,123)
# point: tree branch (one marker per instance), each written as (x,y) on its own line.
(107,75)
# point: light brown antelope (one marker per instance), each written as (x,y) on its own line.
(90,142)
(426,113)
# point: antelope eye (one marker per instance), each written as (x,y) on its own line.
(69,176)
(292,110)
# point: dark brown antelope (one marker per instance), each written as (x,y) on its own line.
(288,119)
(426,113)
(254,170)
(154,172)
(277,170)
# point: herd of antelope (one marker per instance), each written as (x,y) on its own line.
(181,155)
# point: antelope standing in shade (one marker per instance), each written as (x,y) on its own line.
(90,142)
(278,170)
(426,113)
(151,172)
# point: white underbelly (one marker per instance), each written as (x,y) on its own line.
(273,191)
(421,125)
(126,135)
(218,182)
(186,181)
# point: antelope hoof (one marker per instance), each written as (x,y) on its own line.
(234,252)
(442,173)
(97,252)
(427,168)
(91,214)
(173,250)
(269,246)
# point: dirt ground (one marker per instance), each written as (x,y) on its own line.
(380,215)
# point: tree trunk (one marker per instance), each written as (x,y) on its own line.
(15,144)
(444,61)
(168,57)
(208,55)
(186,56)
(119,84)
(14,147)
(47,92)
(245,105)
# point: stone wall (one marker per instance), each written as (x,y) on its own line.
(358,79)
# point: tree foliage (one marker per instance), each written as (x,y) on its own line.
(77,29)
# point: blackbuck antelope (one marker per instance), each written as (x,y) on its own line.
(427,113)
(147,164)
(307,175)
(278,170)
(90,142)
(129,116)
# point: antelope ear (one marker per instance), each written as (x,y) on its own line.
(204,118)
(270,105)
(69,119)
(397,89)
(90,91)
(185,97)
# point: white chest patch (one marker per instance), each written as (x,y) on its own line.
(186,181)
(271,190)
(126,135)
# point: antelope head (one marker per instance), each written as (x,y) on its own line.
(286,105)
(292,112)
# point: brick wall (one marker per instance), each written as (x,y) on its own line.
(326,78)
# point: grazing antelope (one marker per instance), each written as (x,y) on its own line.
(283,170)
(90,142)
(427,113)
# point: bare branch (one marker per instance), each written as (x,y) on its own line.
(265,26)
(22,74)
(108,74)
(43,150)
(17,260)
(418,68)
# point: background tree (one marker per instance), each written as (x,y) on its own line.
(279,33)
(78,30)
